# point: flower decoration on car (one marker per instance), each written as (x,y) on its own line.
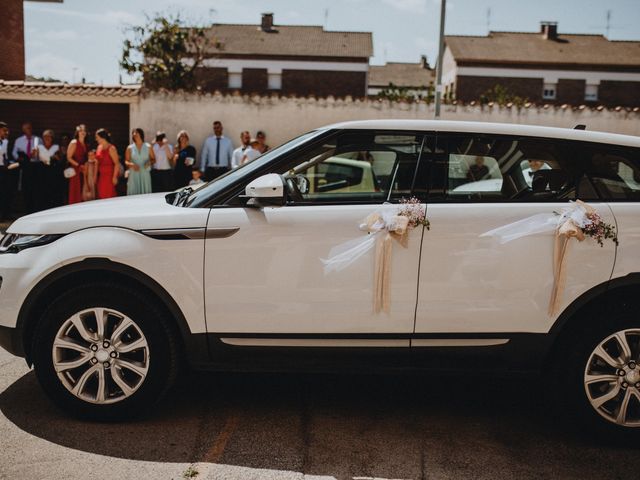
(415,212)
(392,222)
(592,225)
(579,220)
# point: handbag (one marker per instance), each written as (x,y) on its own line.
(69,172)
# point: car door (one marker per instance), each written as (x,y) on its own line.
(263,270)
(474,284)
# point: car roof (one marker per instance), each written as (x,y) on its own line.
(491,128)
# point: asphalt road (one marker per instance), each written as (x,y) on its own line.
(239,426)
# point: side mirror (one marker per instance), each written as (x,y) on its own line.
(266,191)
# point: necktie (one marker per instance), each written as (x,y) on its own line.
(217,151)
(29,147)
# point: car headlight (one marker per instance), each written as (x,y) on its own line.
(15,242)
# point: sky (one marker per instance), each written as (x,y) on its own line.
(83,38)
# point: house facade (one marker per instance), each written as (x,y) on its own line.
(543,67)
(287,59)
(415,79)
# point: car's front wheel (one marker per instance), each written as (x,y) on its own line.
(104,352)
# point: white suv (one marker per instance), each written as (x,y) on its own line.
(107,298)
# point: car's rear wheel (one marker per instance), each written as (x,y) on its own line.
(599,371)
(104,352)
(612,378)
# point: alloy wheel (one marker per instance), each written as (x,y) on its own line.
(612,378)
(100,355)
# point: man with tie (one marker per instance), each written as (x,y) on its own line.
(217,153)
(6,178)
(24,151)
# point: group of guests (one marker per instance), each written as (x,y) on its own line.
(161,166)
(52,173)
(76,169)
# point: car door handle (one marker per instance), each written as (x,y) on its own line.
(222,232)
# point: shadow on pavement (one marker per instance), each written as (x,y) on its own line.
(383,426)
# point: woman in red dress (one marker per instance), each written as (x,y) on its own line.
(77,157)
(108,165)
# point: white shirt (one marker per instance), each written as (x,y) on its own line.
(4,152)
(162,161)
(528,174)
(208,158)
(238,155)
(20,145)
(45,154)
(251,154)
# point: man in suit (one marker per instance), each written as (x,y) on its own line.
(217,153)
(24,151)
(6,175)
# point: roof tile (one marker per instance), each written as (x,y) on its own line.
(48,88)
(294,40)
(568,49)
(400,74)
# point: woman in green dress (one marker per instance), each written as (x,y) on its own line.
(139,157)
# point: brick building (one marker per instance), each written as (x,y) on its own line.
(12,31)
(289,59)
(61,107)
(544,67)
(416,78)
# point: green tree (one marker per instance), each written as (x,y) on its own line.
(501,95)
(165,52)
(395,93)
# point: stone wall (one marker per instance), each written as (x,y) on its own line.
(255,80)
(618,93)
(470,88)
(570,91)
(324,83)
(284,118)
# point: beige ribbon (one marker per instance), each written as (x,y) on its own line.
(564,233)
(396,228)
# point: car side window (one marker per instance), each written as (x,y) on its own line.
(494,168)
(614,171)
(362,166)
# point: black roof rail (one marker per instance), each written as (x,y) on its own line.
(580,126)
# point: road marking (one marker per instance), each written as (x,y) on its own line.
(214,453)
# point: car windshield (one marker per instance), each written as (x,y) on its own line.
(213,187)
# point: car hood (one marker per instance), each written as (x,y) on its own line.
(136,212)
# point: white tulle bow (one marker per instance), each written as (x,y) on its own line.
(391,225)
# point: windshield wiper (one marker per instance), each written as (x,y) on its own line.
(182,196)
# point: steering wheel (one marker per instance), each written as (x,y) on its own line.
(293,190)
(521,193)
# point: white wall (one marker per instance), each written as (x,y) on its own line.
(284,118)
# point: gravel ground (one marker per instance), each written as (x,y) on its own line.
(241,426)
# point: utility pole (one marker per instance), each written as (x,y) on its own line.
(443,7)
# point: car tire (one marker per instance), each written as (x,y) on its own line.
(596,374)
(109,373)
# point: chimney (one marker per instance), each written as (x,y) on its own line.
(267,22)
(424,63)
(549,30)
